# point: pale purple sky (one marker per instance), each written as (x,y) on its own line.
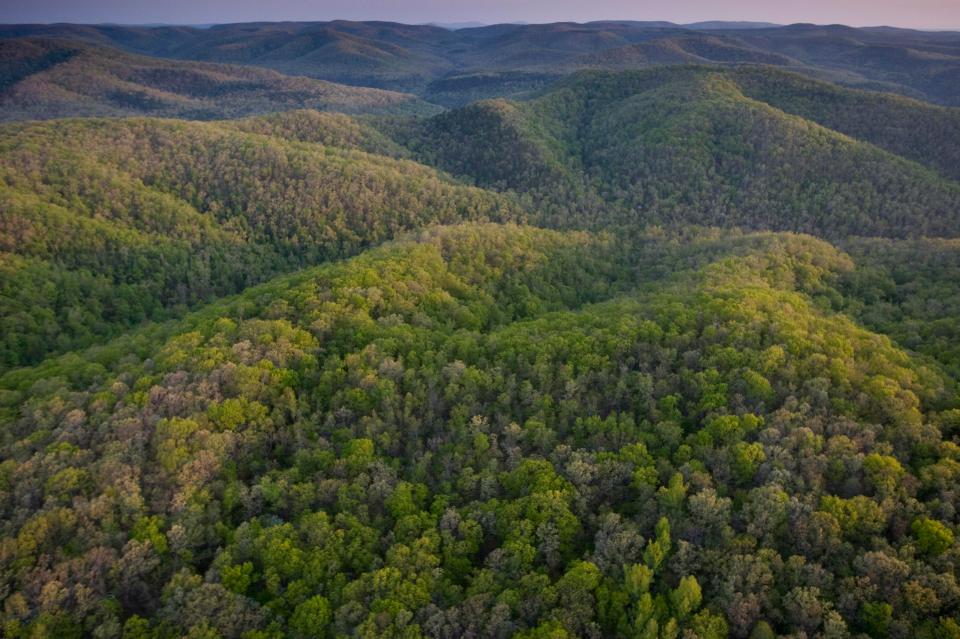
(929,14)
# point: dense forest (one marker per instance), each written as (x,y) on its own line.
(492,431)
(622,329)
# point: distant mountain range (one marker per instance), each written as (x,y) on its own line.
(454,66)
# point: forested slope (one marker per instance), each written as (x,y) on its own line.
(494,431)
(699,145)
(909,290)
(104,223)
(916,130)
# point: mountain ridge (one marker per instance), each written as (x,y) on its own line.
(410,57)
(686,143)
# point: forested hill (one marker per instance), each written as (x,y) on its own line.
(752,146)
(49,78)
(492,431)
(105,223)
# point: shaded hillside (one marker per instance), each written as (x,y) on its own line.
(922,132)
(463,88)
(491,430)
(548,46)
(924,64)
(696,144)
(909,290)
(386,55)
(104,223)
(317,127)
(414,57)
(42,78)
(699,49)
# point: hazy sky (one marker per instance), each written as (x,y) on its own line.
(937,14)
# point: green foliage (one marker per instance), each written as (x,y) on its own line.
(658,548)
(762,631)
(310,618)
(875,617)
(237,578)
(148,529)
(933,538)
(859,517)
(907,290)
(883,471)
(686,597)
(747,459)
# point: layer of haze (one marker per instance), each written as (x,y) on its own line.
(922,14)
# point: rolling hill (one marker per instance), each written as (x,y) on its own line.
(386,55)
(143,218)
(47,78)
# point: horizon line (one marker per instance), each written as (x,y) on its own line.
(477,23)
